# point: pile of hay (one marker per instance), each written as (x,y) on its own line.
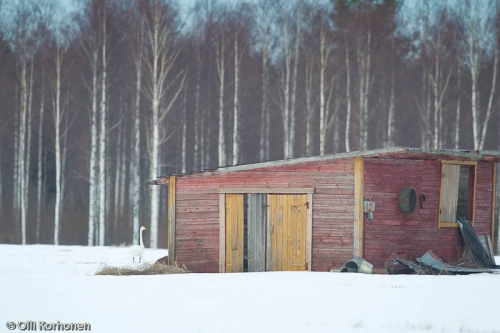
(145,269)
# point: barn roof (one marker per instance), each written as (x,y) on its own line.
(492,156)
(386,153)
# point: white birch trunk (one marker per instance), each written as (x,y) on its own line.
(26,170)
(135,172)
(102,141)
(490,100)
(39,193)
(309,104)
(458,111)
(197,115)
(22,149)
(184,132)
(236,111)
(94,145)
(221,68)
(348,98)
(264,108)
(293,98)
(324,53)
(118,175)
(285,109)
(391,121)
(57,144)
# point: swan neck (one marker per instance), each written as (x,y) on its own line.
(140,237)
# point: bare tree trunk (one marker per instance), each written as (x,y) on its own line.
(197,114)
(348,98)
(221,69)
(39,195)
(264,138)
(22,148)
(135,169)
(94,145)
(26,170)
(184,131)
(118,191)
(294,80)
(236,118)
(309,103)
(57,143)
(324,55)
(457,115)
(391,121)
(285,105)
(103,140)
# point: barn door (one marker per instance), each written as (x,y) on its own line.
(256,226)
(286,232)
(234,232)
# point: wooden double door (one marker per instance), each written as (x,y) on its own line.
(265,232)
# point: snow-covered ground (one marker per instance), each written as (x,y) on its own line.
(42,283)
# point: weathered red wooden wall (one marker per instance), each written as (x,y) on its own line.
(410,235)
(197,210)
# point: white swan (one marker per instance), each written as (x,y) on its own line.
(138,250)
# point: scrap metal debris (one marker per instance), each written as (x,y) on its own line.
(479,254)
(430,263)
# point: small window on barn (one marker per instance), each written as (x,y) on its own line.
(458,184)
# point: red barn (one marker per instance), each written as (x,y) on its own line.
(315,213)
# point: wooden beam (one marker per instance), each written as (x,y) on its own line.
(359,182)
(222,233)
(309,231)
(493,202)
(265,190)
(171,221)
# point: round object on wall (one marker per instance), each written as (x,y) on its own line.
(407,200)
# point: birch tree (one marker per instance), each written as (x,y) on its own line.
(221,72)
(90,42)
(136,42)
(264,33)
(102,136)
(160,28)
(57,114)
(481,32)
(21,32)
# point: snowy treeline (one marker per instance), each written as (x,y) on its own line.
(96,101)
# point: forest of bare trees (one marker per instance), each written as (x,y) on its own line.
(97,99)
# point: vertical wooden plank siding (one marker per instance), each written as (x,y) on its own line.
(493,198)
(199,209)
(222,233)
(359,170)
(449,192)
(298,230)
(309,231)
(274,230)
(171,220)
(234,233)
(256,232)
(287,232)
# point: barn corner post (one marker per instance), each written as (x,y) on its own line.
(222,233)
(359,182)
(493,203)
(171,220)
